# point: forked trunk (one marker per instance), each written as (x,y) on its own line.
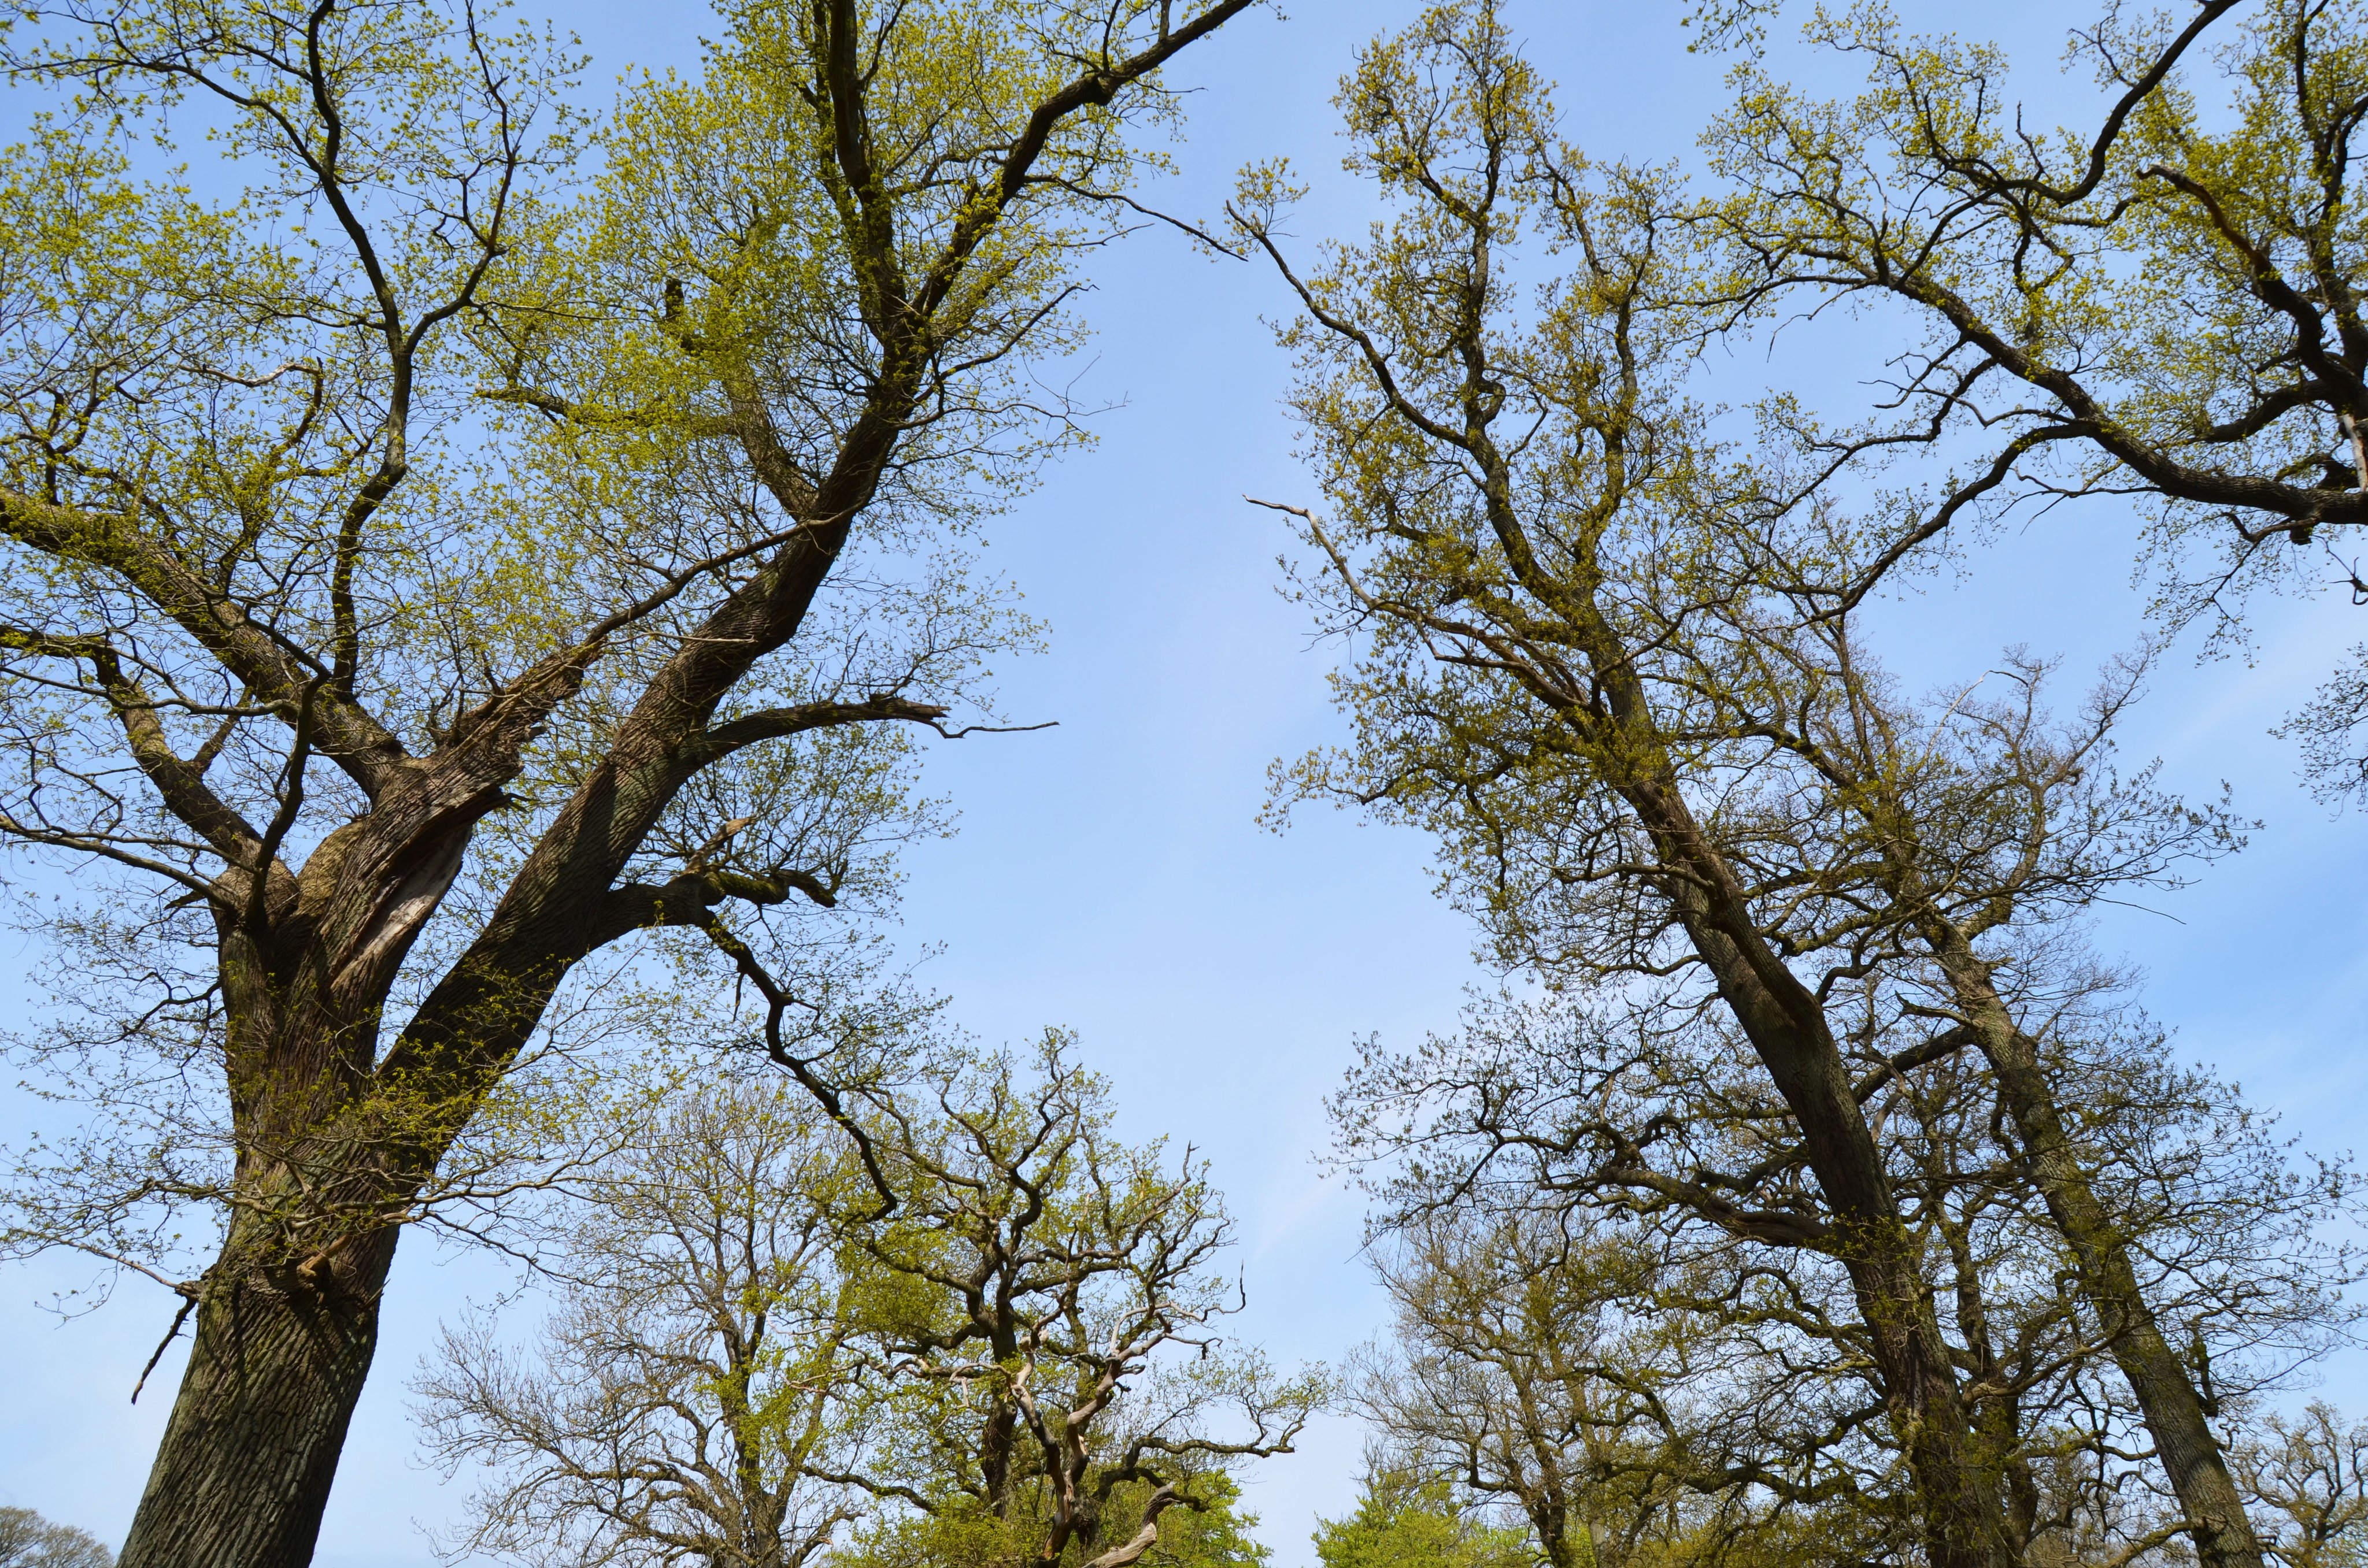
(247,1459)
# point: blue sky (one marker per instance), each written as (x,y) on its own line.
(1109,874)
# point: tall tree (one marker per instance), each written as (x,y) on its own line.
(1616,675)
(373,745)
(1496,472)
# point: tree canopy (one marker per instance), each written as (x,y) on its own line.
(483,570)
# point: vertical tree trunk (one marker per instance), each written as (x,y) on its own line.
(277,1367)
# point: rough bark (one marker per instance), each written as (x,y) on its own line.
(277,1367)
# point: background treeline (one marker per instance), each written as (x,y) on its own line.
(981,1330)
(472,587)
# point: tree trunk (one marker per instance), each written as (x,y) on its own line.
(2166,1393)
(277,1367)
(1956,1481)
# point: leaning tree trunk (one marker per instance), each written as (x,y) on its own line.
(279,1363)
(1956,1483)
(2166,1391)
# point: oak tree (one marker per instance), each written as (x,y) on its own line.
(415,587)
(1614,669)
(1044,1371)
(1492,474)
